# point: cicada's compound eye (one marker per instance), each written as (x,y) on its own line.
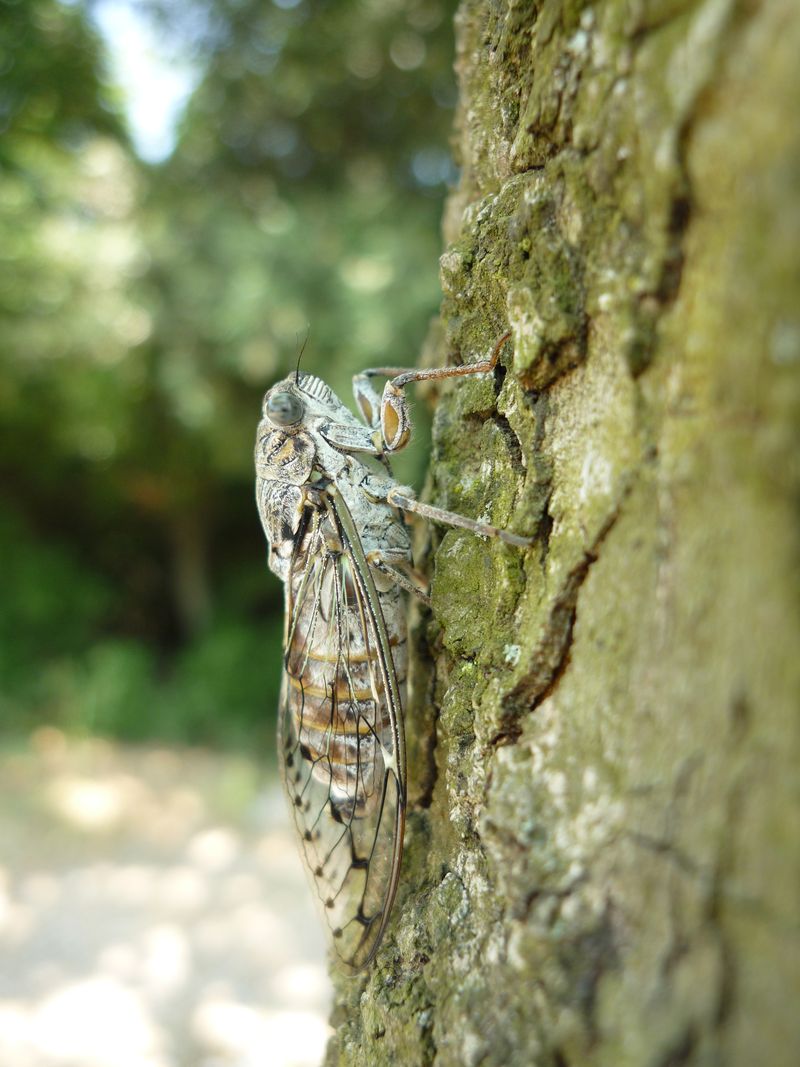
(284,409)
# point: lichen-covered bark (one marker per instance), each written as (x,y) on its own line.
(603,856)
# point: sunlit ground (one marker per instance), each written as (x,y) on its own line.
(153,913)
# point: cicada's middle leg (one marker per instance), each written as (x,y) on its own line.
(398,496)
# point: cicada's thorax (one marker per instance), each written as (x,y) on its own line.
(335,681)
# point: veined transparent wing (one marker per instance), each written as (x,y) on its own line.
(341,733)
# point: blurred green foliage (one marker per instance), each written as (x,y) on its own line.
(145,308)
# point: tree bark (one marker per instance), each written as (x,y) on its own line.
(603,854)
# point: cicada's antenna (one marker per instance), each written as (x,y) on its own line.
(300,356)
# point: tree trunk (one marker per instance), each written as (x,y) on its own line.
(603,854)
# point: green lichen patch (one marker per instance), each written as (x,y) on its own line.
(514,259)
(482,475)
(474,592)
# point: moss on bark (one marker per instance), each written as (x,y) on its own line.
(603,856)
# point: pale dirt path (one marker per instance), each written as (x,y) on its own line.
(153,913)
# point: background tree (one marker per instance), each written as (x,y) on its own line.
(603,857)
(145,309)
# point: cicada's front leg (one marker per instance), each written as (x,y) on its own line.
(390,414)
(392,418)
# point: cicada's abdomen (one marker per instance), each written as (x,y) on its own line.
(335,687)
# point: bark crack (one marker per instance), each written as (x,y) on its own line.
(550,659)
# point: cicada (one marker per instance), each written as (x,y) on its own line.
(335,524)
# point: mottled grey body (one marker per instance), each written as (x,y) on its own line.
(322,501)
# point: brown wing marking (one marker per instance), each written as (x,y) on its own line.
(343,755)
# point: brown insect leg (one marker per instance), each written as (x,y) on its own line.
(407,579)
(394,420)
(451,518)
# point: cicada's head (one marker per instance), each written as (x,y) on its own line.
(292,410)
(284,448)
(299,399)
